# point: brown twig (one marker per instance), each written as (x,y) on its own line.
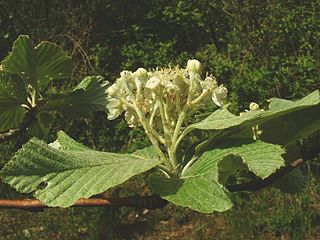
(150,202)
(262,183)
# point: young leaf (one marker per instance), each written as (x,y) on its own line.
(12,96)
(87,97)
(59,177)
(37,65)
(199,187)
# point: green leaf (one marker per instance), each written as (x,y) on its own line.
(89,96)
(262,158)
(64,142)
(201,193)
(37,65)
(12,96)
(222,119)
(224,124)
(59,177)
(286,129)
(199,187)
(230,165)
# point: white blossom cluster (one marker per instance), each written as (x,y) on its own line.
(162,94)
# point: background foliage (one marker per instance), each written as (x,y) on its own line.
(257,49)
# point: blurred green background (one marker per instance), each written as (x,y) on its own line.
(258,49)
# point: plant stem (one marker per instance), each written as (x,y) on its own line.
(189,164)
(153,136)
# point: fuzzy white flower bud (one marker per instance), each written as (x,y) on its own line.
(141,72)
(254,106)
(193,65)
(114,103)
(219,95)
(125,74)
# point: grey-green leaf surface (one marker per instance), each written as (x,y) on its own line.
(37,65)
(59,177)
(12,96)
(89,96)
(199,187)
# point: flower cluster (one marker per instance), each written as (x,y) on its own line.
(162,94)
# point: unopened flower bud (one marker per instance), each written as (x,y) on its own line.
(219,95)
(193,66)
(125,74)
(141,72)
(254,106)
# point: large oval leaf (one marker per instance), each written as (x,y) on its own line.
(59,177)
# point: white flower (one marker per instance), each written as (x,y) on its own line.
(114,103)
(125,74)
(254,106)
(162,94)
(131,119)
(114,113)
(140,73)
(153,83)
(219,95)
(113,90)
(193,66)
(170,86)
(209,83)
